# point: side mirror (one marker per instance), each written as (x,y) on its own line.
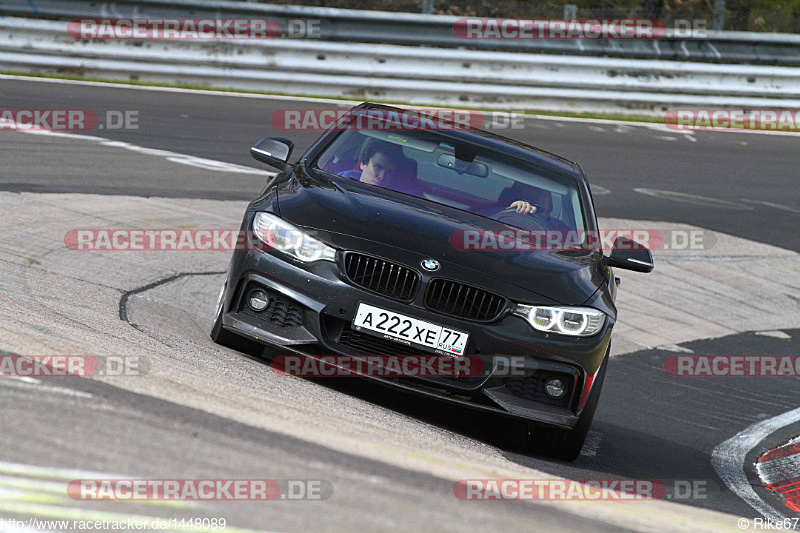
(630,255)
(274,152)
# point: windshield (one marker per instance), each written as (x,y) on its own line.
(433,166)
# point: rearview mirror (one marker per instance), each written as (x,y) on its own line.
(630,255)
(473,168)
(274,152)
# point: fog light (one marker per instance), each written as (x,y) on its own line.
(555,388)
(257,300)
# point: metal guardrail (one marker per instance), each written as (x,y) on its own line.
(434,30)
(417,75)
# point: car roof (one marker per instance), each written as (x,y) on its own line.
(492,141)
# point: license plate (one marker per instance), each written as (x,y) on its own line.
(408,330)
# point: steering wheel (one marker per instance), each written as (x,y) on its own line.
(533,221)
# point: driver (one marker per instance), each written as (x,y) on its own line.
(539,201)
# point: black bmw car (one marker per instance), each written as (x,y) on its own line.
(404,239)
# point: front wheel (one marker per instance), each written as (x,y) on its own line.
(567,444)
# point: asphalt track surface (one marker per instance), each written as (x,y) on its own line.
(653,426)
(745,170)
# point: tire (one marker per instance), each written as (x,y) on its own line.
(231,340)
(566,444)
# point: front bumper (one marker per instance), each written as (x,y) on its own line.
(314,304)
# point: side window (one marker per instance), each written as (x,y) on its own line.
(343,154)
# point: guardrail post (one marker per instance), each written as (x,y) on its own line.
(570,11)
(719,15)
(427,7)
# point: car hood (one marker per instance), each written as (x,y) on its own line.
(347,212)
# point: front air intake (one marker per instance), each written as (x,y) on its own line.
(456,299)
(383,277)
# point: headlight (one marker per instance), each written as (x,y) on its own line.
(279,234)
(575,321)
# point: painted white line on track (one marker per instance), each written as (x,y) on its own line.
(25,379)
(174,157)
(592,444)
(350,103)
(728,460)
(599,190)
(654,125)
(674,348)
(775,333)
(692,198)
(792,210)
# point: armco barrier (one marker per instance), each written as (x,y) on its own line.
(413,29)
(419,75)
